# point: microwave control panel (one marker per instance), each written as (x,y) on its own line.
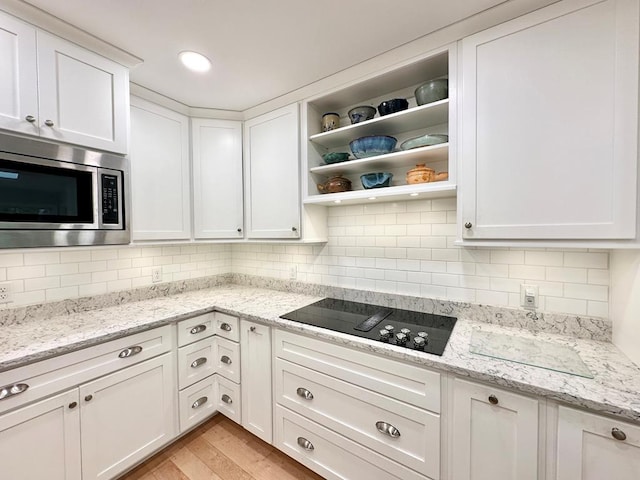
(109,199)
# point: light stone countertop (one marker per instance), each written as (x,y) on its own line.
(614,390)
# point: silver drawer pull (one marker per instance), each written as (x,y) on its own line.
(388,429)
(197,329)
(199,402)
(11,390)
(226,360)
(200,361)
(304,393)
(130,351)
(304,443)
(227,399)
(225,326)
(618,434)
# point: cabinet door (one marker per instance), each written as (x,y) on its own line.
(589,450)
(84,97)
(18,76)
(159,173)
(126,416)
(255,354)
(217,178)
(550,124)
(272,174)
(494,434)
(42,440)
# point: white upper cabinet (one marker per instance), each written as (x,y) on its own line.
(58,90)
(161,206)
(272,180)
(217,178)
(18,76)
(549,116)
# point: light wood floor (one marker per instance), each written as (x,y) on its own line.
(220,450)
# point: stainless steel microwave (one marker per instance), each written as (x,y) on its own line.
(58,195)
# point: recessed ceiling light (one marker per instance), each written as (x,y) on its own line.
(414,194)
(372,198)
(337,201)
(195,61)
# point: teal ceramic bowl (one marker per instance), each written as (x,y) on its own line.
(376,180)
(432,91)
(372,145)
(335,157)
(424,141)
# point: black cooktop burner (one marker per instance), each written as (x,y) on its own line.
(426,332)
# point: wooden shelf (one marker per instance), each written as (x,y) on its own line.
(424,116)
(381,163)
(401,192)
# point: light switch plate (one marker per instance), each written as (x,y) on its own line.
(529,296)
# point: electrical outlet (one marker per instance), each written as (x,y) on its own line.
(5,293)
(293,272)
(529,296)
(156,274)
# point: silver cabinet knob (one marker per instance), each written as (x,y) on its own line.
(294,229)
(73,405)
(88,398)
(252,329)
(304,443)
(227,399)
(468,225)
(226,360)
(199,402)
(48,123)
(30,118)
(618,434)
(239,230)
(11,390)
(493,400)
(388,429)
(197,329)
(198,362)
(225,326)
(304,393)
(130,351)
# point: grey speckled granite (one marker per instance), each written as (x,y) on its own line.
(614,390)
(593,328)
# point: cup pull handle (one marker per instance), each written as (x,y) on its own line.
(226,360)
(199,402)
(200,361)
(197,329)
(304,443)
(130,351)
(227,399)
(388,429)
(12,390)
(304,393)
(225,326)
(618,434)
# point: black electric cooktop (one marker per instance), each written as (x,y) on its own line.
(414,330)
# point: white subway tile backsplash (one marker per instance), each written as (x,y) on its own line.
(527,272)
(540,257)
(598,277)
(564,274)
(41,258)
(507,256)
(19,273)
(11,260)
(566,305)
(586,292)
(53,294)
(62,269)
(588,259)
(41,283)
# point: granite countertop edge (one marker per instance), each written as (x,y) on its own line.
(614,390)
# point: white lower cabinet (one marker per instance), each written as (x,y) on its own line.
(494,433)
(126,416)
(257,411)
(593,447)
(42,440)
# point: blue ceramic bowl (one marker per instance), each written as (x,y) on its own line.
(372,145)
(361,113)
(335,157)
(376,180)
(392,106)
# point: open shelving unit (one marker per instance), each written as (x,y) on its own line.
(400,82)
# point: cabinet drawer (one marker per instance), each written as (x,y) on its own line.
(197,402)
(227,359)
(332,455)
(196,328)
(56,374)
(229,399)
(408,383)
(196,361)
(227,326)
(400,431)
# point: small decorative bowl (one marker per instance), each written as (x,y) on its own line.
(361,113)
(392,106)
(432,91)
(372,145)
(335,157)
(424,141)
(376,180)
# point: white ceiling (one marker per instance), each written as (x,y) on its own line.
(260,49)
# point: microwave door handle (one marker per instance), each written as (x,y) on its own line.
(97,200)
